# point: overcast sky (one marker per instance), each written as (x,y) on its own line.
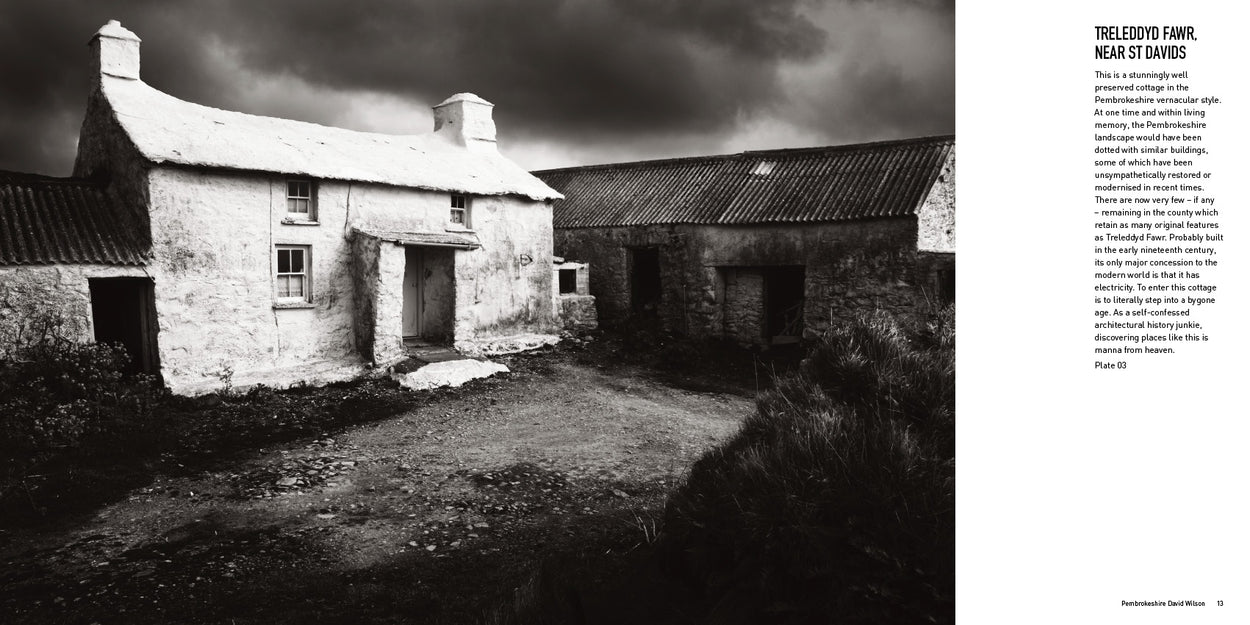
(574,82)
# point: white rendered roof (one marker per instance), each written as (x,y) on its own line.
(168,130)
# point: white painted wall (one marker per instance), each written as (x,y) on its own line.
(936,217)
(214,235)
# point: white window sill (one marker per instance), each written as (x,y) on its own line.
(300,222)
(460,230)
(293,305)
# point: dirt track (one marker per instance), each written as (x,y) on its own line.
(431,516)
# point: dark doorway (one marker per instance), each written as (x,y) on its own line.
(783,304)
(123,311)
(644,280)
(946,285)
(568,281)
(429,308)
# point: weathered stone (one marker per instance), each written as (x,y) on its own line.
(505,345)
(849,267)
(449,373)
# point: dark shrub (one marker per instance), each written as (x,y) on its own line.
(835,503)
(60,399)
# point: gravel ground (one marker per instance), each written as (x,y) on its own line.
(431,516)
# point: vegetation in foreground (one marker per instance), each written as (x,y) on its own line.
(837,498)
(834,503)
(76,430)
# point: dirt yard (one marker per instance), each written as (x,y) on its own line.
(432,516)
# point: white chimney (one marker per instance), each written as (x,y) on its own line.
(466,119)
(115,52)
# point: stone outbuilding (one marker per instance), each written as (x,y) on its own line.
(265,250)
(764,247)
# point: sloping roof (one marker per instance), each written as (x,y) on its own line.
(47,220)
(884,179)
(168,130)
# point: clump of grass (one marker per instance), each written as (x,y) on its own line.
(835,502)
(548,597)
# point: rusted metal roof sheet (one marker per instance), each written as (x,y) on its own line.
(46,220)
(884,179)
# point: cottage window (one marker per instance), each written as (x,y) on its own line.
(301,201)
(568,281)
(459,217)
(291,283)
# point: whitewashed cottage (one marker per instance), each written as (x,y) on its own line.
(283,251)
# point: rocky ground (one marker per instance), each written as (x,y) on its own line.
(432,516)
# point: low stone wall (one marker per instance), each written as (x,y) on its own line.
(576,313)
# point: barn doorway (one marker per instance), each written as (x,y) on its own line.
(783,304)
(429,295)
(644,281)
(123,311)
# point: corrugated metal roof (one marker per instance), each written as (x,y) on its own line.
(46,220)
(883,179)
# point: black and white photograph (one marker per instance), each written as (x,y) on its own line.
(511,312)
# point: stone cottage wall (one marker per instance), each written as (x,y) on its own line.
(936,217)
(501,289)
(849,267)
(31,294)
(214,236)
(365,284)
(504,288)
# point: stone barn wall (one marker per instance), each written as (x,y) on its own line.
(743,287)
(31,294)
(850,267)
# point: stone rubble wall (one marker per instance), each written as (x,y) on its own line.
(742,310)
(936,217)
(850,267)
(31,294)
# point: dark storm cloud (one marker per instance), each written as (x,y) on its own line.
(44,71)
(562,66)
(748,27)
(892,75)
(584,73)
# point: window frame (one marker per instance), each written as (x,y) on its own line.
(305,298)
(464,209)
(562,282)
(310,200)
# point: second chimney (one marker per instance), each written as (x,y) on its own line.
(115,52)
(466,119)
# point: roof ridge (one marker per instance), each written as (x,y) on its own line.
(753,153)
